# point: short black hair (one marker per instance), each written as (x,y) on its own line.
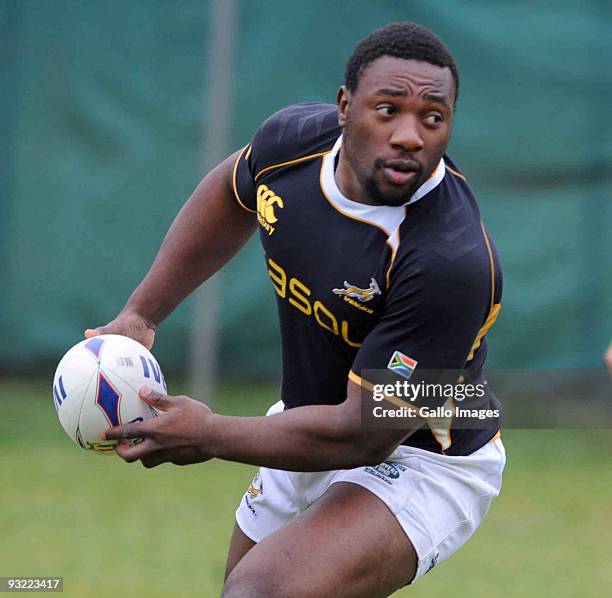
(401,40)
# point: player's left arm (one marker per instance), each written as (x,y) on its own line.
(311,438)
(433,319)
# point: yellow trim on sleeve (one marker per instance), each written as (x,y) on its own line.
(235,187)
(289,162)
(353,377)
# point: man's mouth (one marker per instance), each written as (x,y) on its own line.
(401,172)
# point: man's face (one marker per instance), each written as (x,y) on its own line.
(397,124)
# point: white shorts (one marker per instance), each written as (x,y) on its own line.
(438,500)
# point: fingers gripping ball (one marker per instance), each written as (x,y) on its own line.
(96,387)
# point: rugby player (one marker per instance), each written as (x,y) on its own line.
(376,251)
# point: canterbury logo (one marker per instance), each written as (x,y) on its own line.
(363,295)
(266,202)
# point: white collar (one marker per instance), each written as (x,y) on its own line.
(365,211)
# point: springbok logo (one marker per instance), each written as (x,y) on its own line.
(363,295)
(266,200)
(256,487)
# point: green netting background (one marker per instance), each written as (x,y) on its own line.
(102,108)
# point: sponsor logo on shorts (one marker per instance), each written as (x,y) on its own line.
(247,502)
(254,490)
(386,471)
(433,562)
(256,487)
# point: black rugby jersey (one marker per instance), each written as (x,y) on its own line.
(357,283)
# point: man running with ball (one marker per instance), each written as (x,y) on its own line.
(374,245)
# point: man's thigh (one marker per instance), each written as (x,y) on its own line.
(347,543)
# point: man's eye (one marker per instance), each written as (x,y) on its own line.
(433,119)
(385,110)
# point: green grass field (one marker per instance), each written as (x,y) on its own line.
(112,529)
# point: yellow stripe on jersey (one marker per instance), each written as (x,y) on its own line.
(393,252)
(497,435)
(491,263)
(485,328)
(441,426)
(494,307)
(454,172)
(289,162)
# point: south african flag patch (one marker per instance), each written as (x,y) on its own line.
(402,364)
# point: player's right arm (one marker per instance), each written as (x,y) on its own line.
(207,232)
(216,221)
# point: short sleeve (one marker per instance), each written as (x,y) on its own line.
(243,180)
(431,321)
(287,136)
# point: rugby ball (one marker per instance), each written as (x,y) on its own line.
(96,387)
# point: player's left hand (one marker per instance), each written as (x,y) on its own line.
(178,436)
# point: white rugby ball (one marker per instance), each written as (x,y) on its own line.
(96,387)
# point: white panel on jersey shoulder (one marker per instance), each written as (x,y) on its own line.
(387,218)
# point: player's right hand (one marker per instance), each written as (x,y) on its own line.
(127,324)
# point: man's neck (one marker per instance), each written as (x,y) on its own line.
(347,182)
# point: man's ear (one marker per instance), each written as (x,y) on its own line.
(343,98)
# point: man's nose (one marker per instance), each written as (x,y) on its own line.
(407,135)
